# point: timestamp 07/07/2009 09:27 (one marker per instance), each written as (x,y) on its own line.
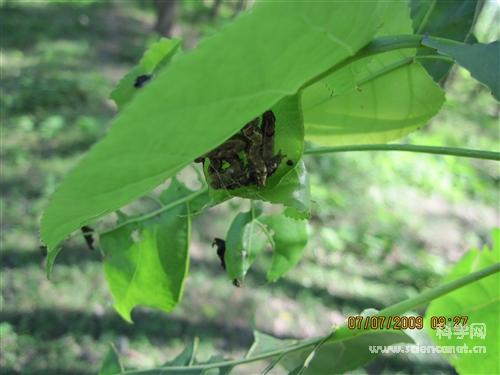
(402,322)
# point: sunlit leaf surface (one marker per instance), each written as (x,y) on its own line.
(374,100)
(203,97)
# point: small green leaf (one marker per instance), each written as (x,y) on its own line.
(245,239)
(375,99)
(481,60)
(290,238)
(480,303)
(111,364)
(187,356)
(446,19)
(146,262)
(153,59)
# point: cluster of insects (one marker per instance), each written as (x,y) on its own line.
(247,158)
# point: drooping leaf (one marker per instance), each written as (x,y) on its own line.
(245,239)
(111,364)
(187,356)
(290,238)
(481,60)
(203,97)
(375,99)
(153,59)
(480,303)
(446,19)
(146,262)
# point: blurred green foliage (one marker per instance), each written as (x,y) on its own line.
(384,225)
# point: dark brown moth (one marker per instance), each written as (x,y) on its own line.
(87,235)
(142,80)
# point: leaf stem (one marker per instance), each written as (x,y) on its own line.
(438,150)
(379,45)
(439,291)
(343,333)
(151,214)
(376,46)
(423,298)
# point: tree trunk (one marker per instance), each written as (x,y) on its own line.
(165,16)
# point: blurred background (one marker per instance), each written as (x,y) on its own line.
(384,225)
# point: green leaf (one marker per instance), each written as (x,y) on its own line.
(264,343)
(146,262)
(386,108)
(51,258)
(187,356)
(447,19)
(340,357)
(290,238)
(203,97)
(374,100)
(245,239)
(481,60)
(480,302)
(153,59)
(111,364)
(293,192)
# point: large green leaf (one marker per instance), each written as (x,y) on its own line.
(146,262)
(290,238)
(245,239)
(452,19)
(203,97)
(481,60)
(480,303)
(374,100)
